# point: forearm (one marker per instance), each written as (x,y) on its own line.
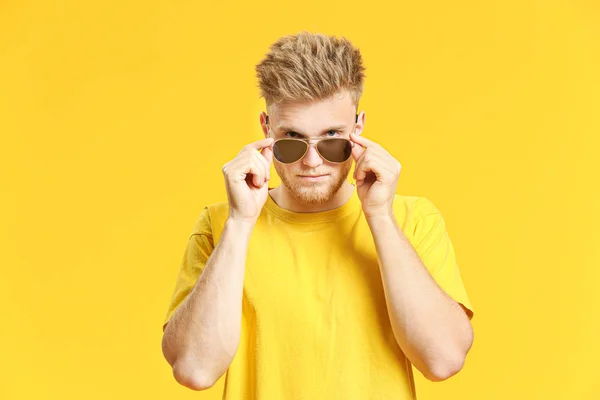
(431,328)
(202,337)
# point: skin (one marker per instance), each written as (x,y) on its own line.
(431,328)
(201,339)
(312,121)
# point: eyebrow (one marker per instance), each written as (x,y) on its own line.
(283,128)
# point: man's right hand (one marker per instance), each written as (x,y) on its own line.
(246,180)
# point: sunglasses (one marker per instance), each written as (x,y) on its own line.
(333,149)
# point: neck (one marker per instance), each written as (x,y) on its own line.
(284,199)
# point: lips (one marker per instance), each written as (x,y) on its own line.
(313,178)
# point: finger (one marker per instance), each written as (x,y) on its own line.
(267,153)
(357,151)
(263,161)
(367,166)
(382,168)
(259,144)
(237,169)
(370,164)
(363,141)
(386,162)
(256,169)
(361,171)
(248,169)
(359,161)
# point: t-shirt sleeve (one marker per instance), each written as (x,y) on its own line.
(199,247)
(433,245)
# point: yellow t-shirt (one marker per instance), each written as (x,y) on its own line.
(314,317)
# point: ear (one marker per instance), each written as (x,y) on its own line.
(360,123)
(264,120)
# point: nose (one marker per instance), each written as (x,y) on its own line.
(312,158)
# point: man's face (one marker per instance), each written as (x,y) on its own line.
(313,120)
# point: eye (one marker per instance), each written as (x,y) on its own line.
(328,134)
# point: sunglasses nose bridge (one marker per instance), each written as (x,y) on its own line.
(309,157)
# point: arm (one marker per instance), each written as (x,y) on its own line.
(431,328)
(202,336)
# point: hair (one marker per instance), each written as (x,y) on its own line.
(310,67)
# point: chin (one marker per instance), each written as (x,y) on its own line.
(313,192)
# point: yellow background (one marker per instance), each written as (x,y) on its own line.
(116,117)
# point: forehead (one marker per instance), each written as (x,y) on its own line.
(313,117)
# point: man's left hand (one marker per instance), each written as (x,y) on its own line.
(376,173)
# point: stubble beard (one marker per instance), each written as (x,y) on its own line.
(314,193)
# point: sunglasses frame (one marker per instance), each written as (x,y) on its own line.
(317,140)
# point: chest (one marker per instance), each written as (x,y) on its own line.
(312,279)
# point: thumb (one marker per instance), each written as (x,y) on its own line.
(357,151)
(267,152)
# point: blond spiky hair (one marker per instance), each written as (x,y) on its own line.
(309,67)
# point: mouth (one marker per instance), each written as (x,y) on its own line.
(313,178)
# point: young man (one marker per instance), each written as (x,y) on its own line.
(317,288)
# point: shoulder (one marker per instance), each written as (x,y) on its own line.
(416,215)
(211,219)
(412,208)
(428,221)
(423,207)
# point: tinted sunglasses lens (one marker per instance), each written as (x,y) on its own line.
(335,150)
(288,150)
